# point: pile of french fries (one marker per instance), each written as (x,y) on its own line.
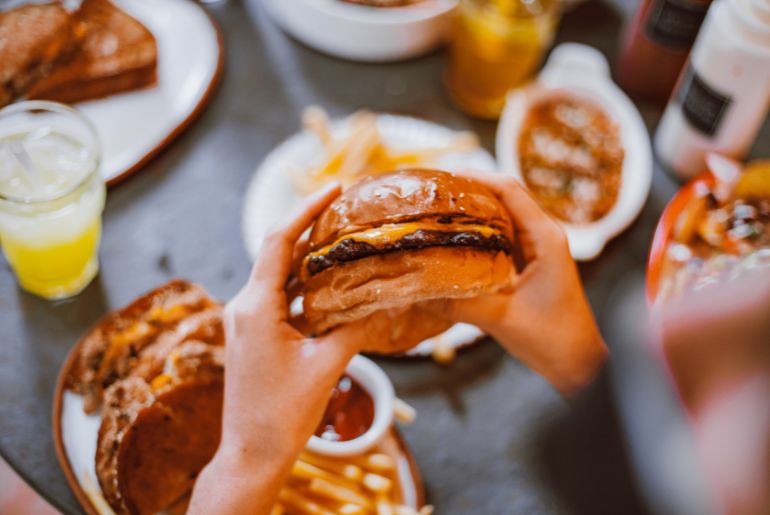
(362,151)
(359,485)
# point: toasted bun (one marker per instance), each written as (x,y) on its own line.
(397,330)
(349,292)
(408,195)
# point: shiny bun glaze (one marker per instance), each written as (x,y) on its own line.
(408,195)
(410,259)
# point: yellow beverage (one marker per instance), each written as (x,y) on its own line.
(56,268)
(496,45)
(51,201)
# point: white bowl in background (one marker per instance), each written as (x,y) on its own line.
(582,71)
(363,33)
(376,383)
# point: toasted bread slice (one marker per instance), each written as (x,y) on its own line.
(33,38)
(115,347)
(118,54)
(155,438)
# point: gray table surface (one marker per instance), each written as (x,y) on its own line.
(491,436)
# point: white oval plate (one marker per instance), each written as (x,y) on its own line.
(582,71)
(134,126)
(271,197)
(365,33)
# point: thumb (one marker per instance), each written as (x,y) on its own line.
(353,336)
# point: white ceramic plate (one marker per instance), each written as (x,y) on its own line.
(75,438)
(134,126)
(582,71)
(271,197)
(365,33)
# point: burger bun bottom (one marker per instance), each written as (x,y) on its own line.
(396,284)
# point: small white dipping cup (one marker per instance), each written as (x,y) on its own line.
(376,383)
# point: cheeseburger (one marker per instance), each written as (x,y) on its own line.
(401,238)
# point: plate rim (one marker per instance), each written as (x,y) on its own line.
(77,489)
(196,111)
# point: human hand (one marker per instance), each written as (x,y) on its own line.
(278,380)
(716,344)
(545,321)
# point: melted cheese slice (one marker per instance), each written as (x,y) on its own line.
(390,233)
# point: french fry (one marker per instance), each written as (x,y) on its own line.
(352,509)
(294,499)
(377,462)
(403,412)
(344,469)
(315,120)
(384,507)
(307,472)
(377,483)
(362,151)
(341,494)
(317,486)
(443,351)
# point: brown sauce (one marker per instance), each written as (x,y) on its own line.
(571,158)
(349,414)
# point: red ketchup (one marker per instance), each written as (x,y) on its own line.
(656,46)
(349,414)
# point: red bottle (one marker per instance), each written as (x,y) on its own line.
(656,46)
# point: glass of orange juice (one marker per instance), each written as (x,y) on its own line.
(51,197)
(496,45)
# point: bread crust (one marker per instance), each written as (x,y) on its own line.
(118,54)
(115,347)
(408,195)
(33,38)
(355,290)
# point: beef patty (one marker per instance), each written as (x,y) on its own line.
(350,249)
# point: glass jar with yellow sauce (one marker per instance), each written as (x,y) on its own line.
(51,197)
(497,45)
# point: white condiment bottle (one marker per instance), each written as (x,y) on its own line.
(723,94)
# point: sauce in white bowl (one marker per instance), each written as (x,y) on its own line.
(579,72)
(367,379)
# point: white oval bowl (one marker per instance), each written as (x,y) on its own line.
(376,383)
(581,71)
(361,33)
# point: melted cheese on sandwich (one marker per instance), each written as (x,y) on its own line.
(389,233)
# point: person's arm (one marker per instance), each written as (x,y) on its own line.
(716,345)
(277,382)
(546,321)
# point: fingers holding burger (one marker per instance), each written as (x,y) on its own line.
(393,242)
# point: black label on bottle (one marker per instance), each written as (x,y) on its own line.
(675,23)
(703,107)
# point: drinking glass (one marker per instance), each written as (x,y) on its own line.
(495,46)
(51,197)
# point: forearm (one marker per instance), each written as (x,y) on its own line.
(569,362)
(260,443)
(237,484)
